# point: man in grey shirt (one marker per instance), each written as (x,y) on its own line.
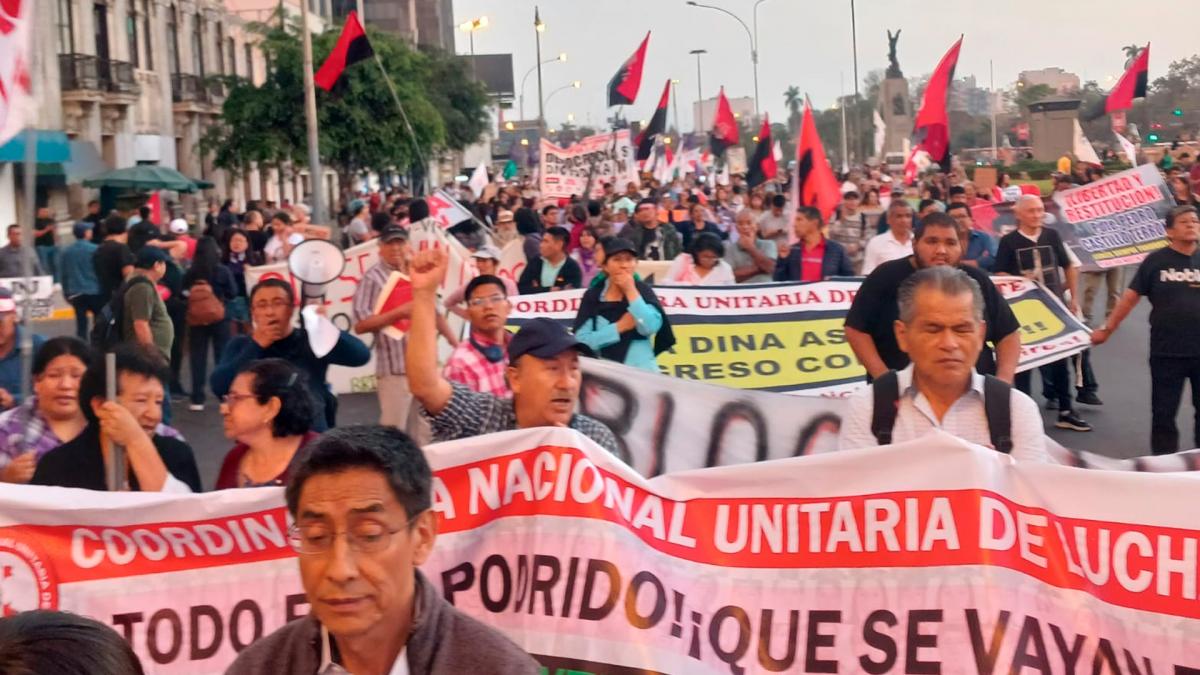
(776,223)
(752,259)
(10,256)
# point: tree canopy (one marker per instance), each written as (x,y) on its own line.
(360,126)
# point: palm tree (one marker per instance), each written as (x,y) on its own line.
(794,100)
(1131,52)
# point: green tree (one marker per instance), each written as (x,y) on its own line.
(1030,93)
(360,126)
(1131,53)
(795,103)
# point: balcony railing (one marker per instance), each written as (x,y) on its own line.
(121,79)
(81,71)
(215,91)
(186,88)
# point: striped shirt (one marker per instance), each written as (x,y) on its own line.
(389,352)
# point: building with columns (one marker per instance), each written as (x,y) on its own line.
(130,81)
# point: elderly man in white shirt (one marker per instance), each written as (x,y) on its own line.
(896,243)
(941,328)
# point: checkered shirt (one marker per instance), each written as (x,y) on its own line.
(389,352)
(470,413)
(468,365)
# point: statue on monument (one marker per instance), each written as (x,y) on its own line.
(893,70)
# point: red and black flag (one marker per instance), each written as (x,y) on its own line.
(932,127)
(623,87)
(1131,85)
(352,46)
(762,164)
(657,125)
(725,128)
(814,183)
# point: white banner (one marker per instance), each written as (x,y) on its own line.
(41,294)
(446,210)
(564,171)
(926,557)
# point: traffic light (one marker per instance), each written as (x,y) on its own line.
(1152,137)
(1178,112)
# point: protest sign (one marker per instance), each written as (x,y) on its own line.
(929,556)
(445,209)
(564,171)
(40,293)
(1112,222)
(789,337)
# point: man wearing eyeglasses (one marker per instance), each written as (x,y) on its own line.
(360,499)
(480,360)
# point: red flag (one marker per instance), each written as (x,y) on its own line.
(623,87)
(352,46)
(725,128)
(932,127)
(814,183)
(657,125)
(1131,85)
(762,164)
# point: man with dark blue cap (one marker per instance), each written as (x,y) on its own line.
(543,372)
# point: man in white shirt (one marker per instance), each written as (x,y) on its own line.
(941,328)
(893,244)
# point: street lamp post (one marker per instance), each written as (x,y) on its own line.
(470,27)
(574,84)
(538,29)
(562,58)
(752,36)
(699,91)
(854,47)
(675,104)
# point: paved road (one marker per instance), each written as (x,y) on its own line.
(1122,424)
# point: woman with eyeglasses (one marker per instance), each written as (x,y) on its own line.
(268,412)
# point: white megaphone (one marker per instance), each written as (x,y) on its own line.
(316,263)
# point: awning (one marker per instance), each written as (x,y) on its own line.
(51,146)
(85,162)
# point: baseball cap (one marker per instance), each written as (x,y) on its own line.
(392,233)
(147,256)
(7,304)
(615,245)
(487,253)
(544,338)
(179,226)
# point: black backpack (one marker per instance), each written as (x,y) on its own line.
(108,326)
(996,405)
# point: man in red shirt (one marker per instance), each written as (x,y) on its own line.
(812,257)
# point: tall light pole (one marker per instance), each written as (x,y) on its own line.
(854,48)
(538,29)
(751,35)
(310,115)
(470,27)
(573,84)
(699,91)
(675,104)
(562,58)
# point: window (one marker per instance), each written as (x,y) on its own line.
(231,54)
(249,49)
(66,28)
(131,32)
(172,42)
(146,32)
(220,49)
(198,46)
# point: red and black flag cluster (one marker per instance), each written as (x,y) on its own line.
(623,87)
(762,165)
(725,128)
(932,127)
(657,125)
(814,183)
(352,46)
(1131,85)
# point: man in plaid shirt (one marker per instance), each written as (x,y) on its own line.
(543,371)
(479,361)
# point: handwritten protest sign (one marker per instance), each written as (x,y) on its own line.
(930,556)
(564,171)
(445,209)
(40,293)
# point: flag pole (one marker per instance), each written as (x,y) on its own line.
(404,116)
(310,113)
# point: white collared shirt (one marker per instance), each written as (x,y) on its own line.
(884,247)
(328,667)
(965,418)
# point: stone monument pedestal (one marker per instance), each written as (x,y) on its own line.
(897,113)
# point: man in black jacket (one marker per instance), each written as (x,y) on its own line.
(554,270)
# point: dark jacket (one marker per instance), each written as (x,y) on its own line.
(672,244)
(349,351)
(79,463)
(835,263)
(688,231)
(570,275)
(443,641)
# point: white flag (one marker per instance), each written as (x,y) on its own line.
(479,180)
(16,56)
(723,176)
(1082,147)
(880,129)
(1127,146)
(777,151)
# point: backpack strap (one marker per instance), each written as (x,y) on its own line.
(997,401)
(886,391)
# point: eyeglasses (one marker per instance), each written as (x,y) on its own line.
(232,399)
(366,537)
(489,300)
(269,304)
